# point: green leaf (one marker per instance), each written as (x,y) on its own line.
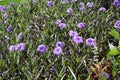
(27,73)
(72,73)
(114,34)
(78,59)
(1,63)
(113,50)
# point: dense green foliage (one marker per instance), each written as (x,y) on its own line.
(37,24)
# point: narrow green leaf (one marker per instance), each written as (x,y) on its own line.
(72,73)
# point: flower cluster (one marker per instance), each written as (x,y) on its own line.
(18,47)
(82,6)
(58,48)
(60,24)
(78,40)
(79,24)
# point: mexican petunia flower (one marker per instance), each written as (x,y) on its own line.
(64,1)
(69,10)
(117,24)
(60,44)
(58,21)
(8,29)
(82,4)
(5,16)
(90,42)
(34,1)
(12,48)
(116,3)
(89,4)
(57,51)
(102,9)
(73,33)
(62,25)
(12,4)
(50,3)
(20,36)
(106,75)
(18,47)
(81,25)
(77,39)
(2,8)
(21,46)
(41,48)
(52,68)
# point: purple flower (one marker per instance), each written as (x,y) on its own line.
(60,44)
(64,1)
(52,68)
(2,8)
(69,10)
(41,48)
(12,48)
(89,4)
(94,21)
(5,16)
(102,9)
(8,29)
(90,42)
(116,3)
(117,24)
(58,21)
(82,4)
(34,1)
(20,36)
(62,25)
(11,4)
(77,39)
(57,51)
(73,33)
(106,75)
(82,8)
(81,25)
(69,51)
(50,3)
(20,47)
